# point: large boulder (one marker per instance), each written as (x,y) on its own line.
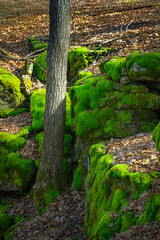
(117,198)
(11,98)
(17,171)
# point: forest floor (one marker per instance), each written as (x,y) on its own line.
(124,27)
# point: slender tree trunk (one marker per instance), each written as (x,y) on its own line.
(48,182)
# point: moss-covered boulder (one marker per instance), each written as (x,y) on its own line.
(113,190)
(17,172)
(101,109)
(144,66)
(11,98)
(138,67)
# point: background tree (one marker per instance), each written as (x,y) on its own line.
(48,181)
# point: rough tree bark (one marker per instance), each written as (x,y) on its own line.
(48,181)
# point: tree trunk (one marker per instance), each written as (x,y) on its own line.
(48,181)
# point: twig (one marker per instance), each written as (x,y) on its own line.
(129,25)
(39,50)
(23,59)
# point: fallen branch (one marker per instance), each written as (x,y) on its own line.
(23,59)
(32,53)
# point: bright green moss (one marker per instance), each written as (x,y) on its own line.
(12,112)
(9,81)
(41,59)
(40,46)
(118,199)
(25,131)
(102,230)
(37,161)
(144,64)
(148,127)
(11,99)
(11,142)
(82,74)
(113,67)
(37,109)
(125,116)
(102,52)
(78,59)
(51,196)
(68,112)
(16,169)
(78,177)
(87,122)
(152,210)
(156,136)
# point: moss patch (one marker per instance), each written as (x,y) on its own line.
(11,142)
(12,112)
(114,66)
(41,59)
(37,109)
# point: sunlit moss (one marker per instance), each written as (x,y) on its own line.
(113,67)
(144,64)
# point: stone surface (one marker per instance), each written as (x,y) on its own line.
(10,95)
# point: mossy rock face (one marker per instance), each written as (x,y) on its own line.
(17,172)
(102,108)
(111,188)
(10,95)
(38,106)
(141,67)
(144,66)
